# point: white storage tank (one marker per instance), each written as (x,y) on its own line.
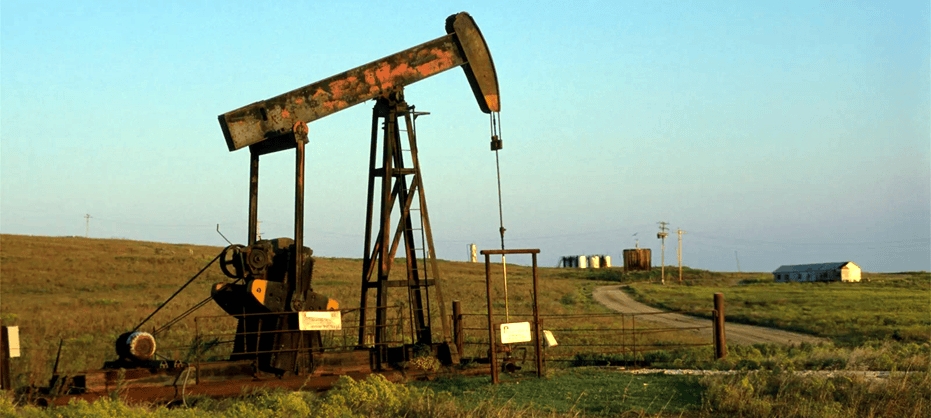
(595,261)
(606,261)
(583,261)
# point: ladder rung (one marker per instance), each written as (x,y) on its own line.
(403,171)
(380,172)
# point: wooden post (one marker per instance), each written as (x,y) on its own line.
(492,344)
(493,359)
(536,320)
(720,338)
(5,383)
(458,338)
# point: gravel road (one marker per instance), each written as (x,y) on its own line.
(615,298)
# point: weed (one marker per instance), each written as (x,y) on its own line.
(792,395)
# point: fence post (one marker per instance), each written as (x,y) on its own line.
(720,339)
(457,326)
(633,330)
(536,321)
(5,382)
(492,356)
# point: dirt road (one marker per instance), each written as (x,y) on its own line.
(615,298)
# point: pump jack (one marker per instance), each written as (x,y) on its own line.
(279,124)
(273,277)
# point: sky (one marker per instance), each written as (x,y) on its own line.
(770,132)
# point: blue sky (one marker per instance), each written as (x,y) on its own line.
(787,132)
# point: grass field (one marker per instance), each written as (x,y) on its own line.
(883,307)
(587,391)
(87,291)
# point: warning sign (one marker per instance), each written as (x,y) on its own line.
(13,338)
(515,332)
(320,321)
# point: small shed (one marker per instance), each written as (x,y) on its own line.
(845,271)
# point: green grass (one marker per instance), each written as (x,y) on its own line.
(768,394)
(884,307)
(590,392)
(572,393)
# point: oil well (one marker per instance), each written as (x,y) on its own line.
(278,314)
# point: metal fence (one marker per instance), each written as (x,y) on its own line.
(214,338)
(609,338)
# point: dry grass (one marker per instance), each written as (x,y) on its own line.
(88,291)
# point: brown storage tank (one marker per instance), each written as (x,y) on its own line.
(637,259)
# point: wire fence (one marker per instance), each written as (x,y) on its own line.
(582,339)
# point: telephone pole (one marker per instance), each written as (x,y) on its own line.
(662,234)
(87,224)
(679,253)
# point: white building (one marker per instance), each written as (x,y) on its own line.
(845,271)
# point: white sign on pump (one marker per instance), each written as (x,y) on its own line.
(320,321)
(515,332)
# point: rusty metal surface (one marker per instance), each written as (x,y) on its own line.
(637,259)
(402,186)
(219,379)
(253,198)
(276,116)
(479,68)
(301,285)
(258,121)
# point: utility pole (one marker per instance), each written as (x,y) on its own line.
(738,260)
(87,224)
(679,253)
(662,234)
